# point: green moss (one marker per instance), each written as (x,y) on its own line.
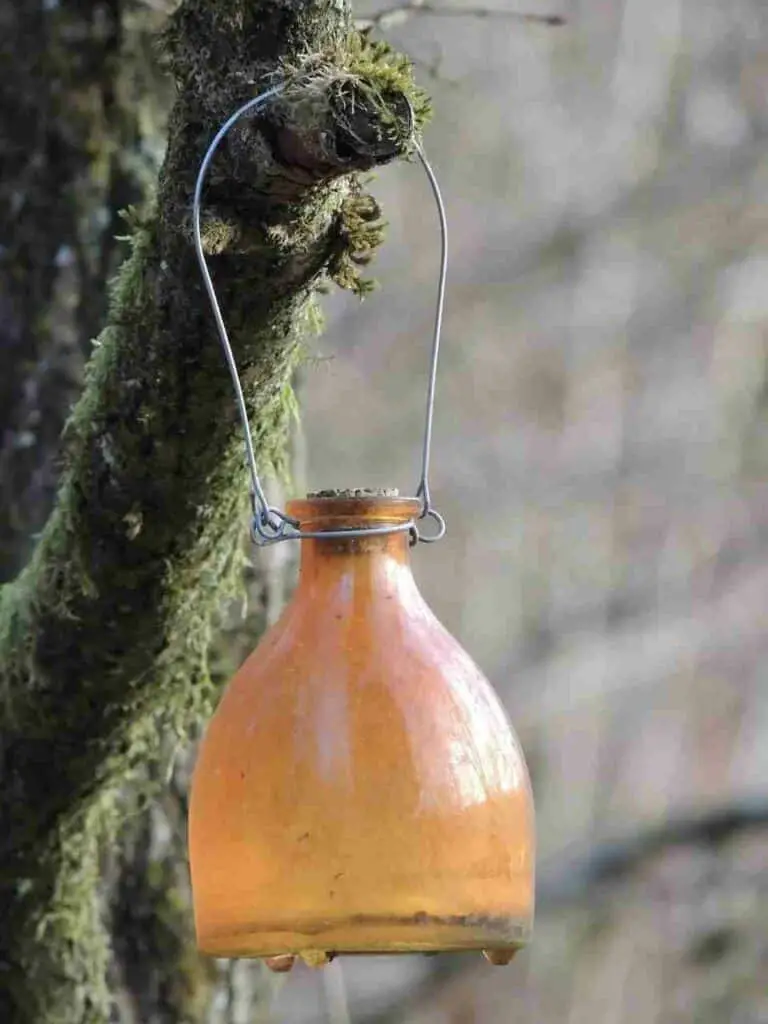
(378,73)
(361,232)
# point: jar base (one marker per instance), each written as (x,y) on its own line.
(322,940)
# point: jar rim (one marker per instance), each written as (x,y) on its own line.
(351,508)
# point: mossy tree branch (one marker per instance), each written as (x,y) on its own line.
(103,638)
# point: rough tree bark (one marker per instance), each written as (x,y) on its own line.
(103,638)
(81,113)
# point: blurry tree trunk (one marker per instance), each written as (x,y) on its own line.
(104,637)
(81,126)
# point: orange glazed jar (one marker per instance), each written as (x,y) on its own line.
(360,789)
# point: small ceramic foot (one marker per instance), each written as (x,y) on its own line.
(280,964)
(499,957)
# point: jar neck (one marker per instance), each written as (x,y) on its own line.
(347,511)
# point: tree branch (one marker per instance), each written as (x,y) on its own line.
(103,638)
(612,860)
(397,14)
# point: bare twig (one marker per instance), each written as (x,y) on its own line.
(390,17)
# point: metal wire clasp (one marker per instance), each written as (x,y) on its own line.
(270,525)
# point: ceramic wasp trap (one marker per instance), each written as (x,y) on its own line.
(359,788)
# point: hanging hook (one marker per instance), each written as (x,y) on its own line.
(270,525)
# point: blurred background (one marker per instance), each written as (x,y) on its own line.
(600,455)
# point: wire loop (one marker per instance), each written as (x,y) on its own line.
(431,538)
(269,525)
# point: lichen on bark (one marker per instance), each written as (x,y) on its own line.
(104,636)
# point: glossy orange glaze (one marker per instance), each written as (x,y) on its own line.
(359,788)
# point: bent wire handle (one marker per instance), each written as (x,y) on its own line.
(270,525)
